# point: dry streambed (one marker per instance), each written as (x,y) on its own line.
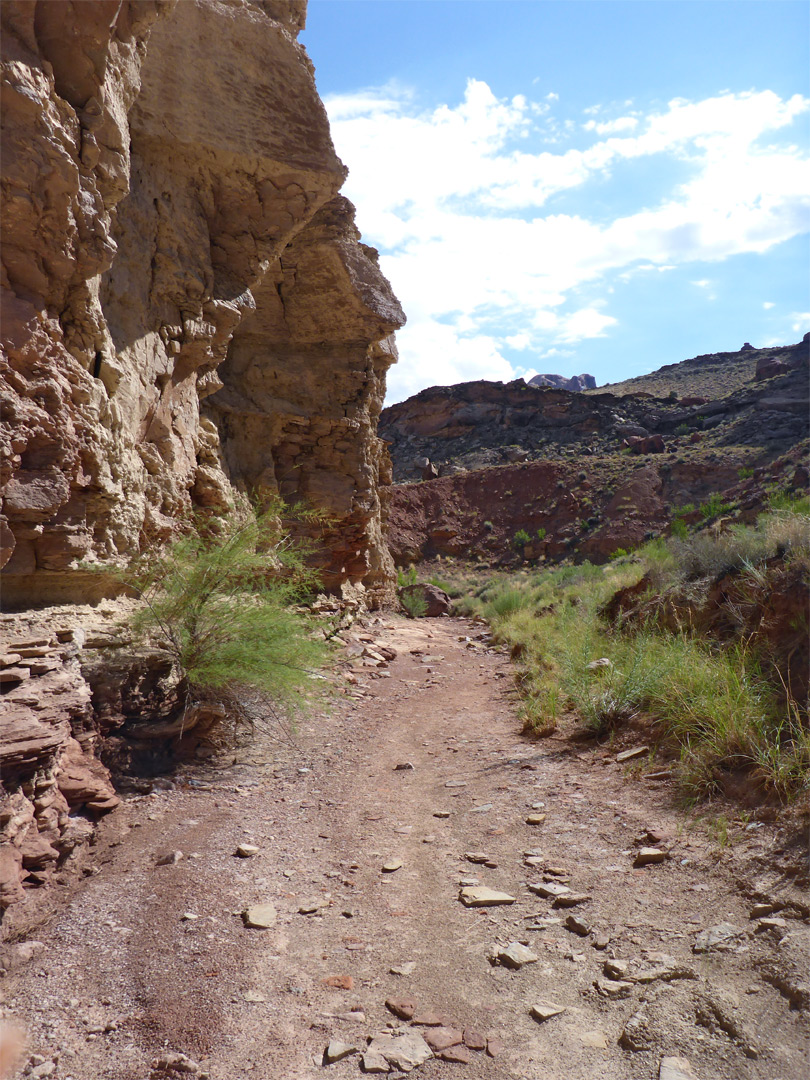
(416,888)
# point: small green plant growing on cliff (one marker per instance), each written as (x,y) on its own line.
(745,472)
(682,429)
(219,599)
(521,539)
(713,507)
(541,533)
(406,577)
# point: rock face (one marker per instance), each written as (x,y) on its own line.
(189,319)
(575,384)
(170,230)
(475,425)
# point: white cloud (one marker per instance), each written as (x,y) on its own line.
(456,199)
(801,323)
(768,304)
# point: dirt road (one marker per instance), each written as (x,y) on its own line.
(142,962)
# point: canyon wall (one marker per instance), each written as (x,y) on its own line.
(188,316)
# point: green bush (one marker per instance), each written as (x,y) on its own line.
(790,502)
(413,602)
(713,507)
(678,528)
(682,429)
(745,472)
(406,577)
(521,539)
(541,533)
(218,601)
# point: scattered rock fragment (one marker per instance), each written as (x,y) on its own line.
(571,899)
(313,905)
(616,969)
(675,1068)
(474,1039)
(441,1038)
(546,1010)
(495,1047)
(171,858)
(247,851)
(516,956)
(536,819)
(477,857)
(460,1055)
(406,1052)
(402,1008)
(392,866)
(636,1035)
(441,813)
(648,855)
(338,982)
(403,969)
(481,896)
(597,1040)
(403,766)
(613,990)
(577,925)
(337,1051)
(260,916)
(551,890)
(628,755)
(174,1065)
(431,1019)
(720,937)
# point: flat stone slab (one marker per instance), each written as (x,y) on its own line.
(337,1051)
(546,1010)
(720,937)
(628,755)
(516,956)
(392,866)
(404,1052)
(675,1068)
(260,916)
(481,896)
(648,855)
(551,890)
(535,819)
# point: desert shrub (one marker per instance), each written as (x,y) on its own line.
(541,533)
(789,502)
(745,472)
(406,577)
(619,553)
(521,539)
(678,528)
(413,602)
(219,599)
(488,526)
(713,507)
(682,429)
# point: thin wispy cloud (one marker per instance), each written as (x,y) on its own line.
(482,211)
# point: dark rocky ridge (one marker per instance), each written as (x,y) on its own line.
(479,424)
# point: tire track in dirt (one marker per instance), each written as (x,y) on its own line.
(250,1003)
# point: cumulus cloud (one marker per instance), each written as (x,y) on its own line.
(464,202)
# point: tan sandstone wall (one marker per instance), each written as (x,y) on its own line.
(187,313)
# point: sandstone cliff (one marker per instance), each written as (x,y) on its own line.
(188,313)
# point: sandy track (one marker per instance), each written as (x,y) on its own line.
(326,816)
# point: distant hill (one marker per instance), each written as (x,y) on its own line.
(713,375)
(560,382)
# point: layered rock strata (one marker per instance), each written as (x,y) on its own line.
(188,317)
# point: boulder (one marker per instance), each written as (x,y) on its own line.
(436,600)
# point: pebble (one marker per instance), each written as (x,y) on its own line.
(481,896)
(404,766)
(260,916)
(403,969)
(759,910)
(313,905)
(628,755)
(441,813)
(495,1047)
(392,866)
(477,857)
(535,819)
(474,1039)
(516,956)
(405,1051)
(577,926)
(441,1038)
(456,783)
(170,858)
(338,982)
(648,855)
(572,899)
(188,916)
(675,1068)
(719,936)
(337,1051)
(403,1008)
(613,989)
(247,851)
(460,1055)
(546,1010)
(551,890)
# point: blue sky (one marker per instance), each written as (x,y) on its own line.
(574,185)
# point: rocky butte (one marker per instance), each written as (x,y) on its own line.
(188,314)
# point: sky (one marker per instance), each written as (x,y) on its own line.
(570,186)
